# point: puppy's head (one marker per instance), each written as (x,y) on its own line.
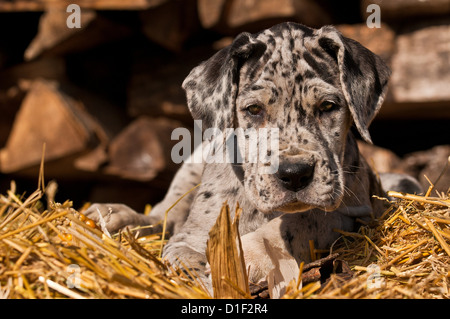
(304,87)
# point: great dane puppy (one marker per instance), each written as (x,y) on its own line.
(312,85)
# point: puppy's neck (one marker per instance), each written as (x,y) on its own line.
(359,177)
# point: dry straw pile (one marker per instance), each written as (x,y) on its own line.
(407,255)
(57,253)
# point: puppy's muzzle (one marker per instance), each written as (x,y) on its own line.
(295,176)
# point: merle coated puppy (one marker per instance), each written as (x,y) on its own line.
(312,85)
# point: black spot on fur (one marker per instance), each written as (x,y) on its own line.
(317,53)
(191,85)
(320,68)
(330,47)
(207,194)
(274,65)
(226,99)
(352,69)
(301,111)
(309,74)
(308,32)
(274,96)
(285,74)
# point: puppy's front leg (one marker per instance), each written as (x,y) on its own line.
(290,234)
(119,216)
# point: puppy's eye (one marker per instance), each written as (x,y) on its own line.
(327,106)
(254,109)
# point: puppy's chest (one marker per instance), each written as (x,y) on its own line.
(252,219)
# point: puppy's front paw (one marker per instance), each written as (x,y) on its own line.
(115,216)
(257,260)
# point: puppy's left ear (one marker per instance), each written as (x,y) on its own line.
(211,88)
(363,75)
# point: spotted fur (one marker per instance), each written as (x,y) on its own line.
(290,72)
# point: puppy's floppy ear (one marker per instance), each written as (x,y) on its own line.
(363,75)
(211,88)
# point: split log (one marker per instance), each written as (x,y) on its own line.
(53,30)
(170,24)
(421,63)
(55,38)
(211,13)
(248,11)
(46,116)
(143,149)
(420,79)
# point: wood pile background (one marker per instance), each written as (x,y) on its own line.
(104,98)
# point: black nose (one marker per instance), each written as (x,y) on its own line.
(295,176)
